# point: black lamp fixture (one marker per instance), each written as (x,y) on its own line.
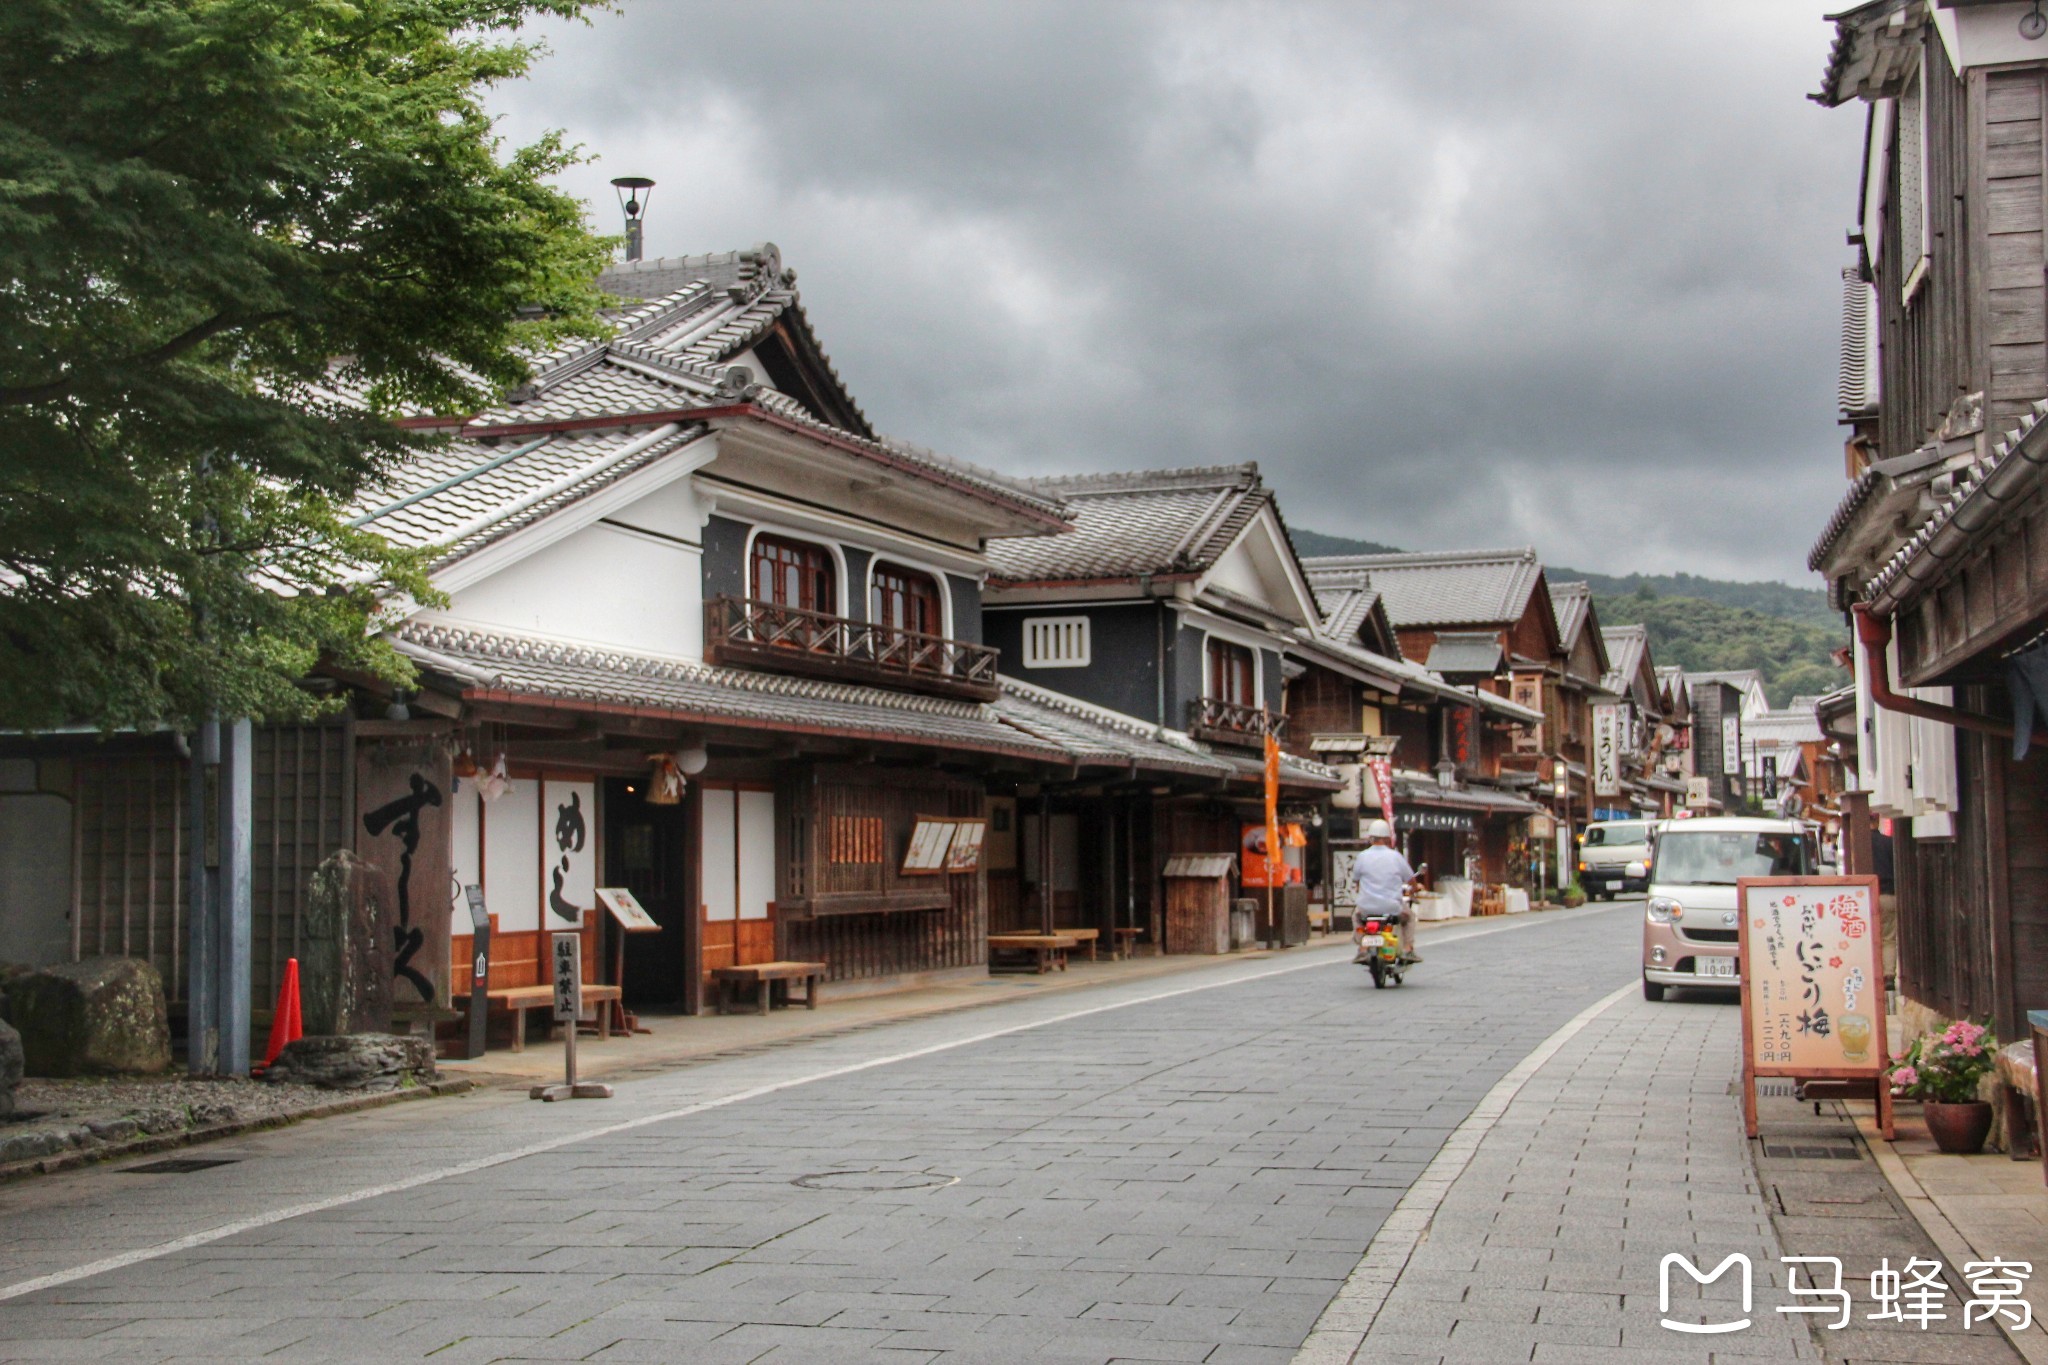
(633,201)
(2033,23)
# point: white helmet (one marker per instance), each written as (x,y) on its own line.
(1379,829)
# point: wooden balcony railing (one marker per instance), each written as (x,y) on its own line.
(754,634)
(1223,722)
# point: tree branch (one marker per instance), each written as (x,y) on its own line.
(169,350)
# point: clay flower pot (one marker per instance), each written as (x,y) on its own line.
(1958,1129)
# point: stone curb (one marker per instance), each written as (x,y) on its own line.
(164,1142)
(1340,1333)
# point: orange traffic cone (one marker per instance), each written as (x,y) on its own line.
(284,1024)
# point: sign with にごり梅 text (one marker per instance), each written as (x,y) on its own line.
(1812,969)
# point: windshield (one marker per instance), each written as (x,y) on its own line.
(1718,857)
(1600,835)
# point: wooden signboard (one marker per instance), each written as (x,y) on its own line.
(930,839)
(964,854)
(632,917)
(1812,985)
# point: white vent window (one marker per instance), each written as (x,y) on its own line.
(1056,642)
(1912,142)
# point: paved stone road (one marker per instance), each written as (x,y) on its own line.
(1624,1146)
(1187,1177)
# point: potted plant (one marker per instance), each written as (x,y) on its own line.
(1942,1071)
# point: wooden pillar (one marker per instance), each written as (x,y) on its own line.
(693,900)
(1045,863)
(1856,854)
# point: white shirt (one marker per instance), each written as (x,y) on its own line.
(1381,873)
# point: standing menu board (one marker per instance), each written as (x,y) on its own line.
(1812,984)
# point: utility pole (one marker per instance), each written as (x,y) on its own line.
(217,903)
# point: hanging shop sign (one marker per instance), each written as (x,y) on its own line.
(1606,755)
(1437,821)
(1731,745)
(1382,770)
(931,838)
(1812,983)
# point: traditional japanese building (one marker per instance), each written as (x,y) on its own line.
(1173,603)
(1646,730)
(1936,546)
(1485,619)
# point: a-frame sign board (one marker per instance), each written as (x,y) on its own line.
(1812,985)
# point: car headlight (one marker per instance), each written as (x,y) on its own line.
(1663,909)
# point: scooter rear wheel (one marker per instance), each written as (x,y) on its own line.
(1379,974)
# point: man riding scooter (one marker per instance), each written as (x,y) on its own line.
(1383,877)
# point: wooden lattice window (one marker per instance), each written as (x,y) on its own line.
(790,573)
(1232,674)
(855,839)
(905,599)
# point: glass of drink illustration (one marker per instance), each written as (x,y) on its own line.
(1854,1031)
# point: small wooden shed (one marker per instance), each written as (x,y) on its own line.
(1198,902)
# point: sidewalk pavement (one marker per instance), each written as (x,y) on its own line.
(1623,1146)
(1973,1208)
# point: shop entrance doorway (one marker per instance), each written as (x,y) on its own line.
(645,853)
(739,875)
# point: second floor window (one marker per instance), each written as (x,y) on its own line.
(1232,674)
(789,573)
(905,599)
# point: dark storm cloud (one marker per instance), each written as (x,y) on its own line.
(1561,273)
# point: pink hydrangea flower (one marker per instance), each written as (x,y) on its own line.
(1905,1078)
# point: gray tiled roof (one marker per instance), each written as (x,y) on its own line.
(1465,652)
(1149,522)
(1346,610)
(664,356)
(1097,736)
(1570,603)
(468,493)
(530,667)
(1625,648)
(1465,587)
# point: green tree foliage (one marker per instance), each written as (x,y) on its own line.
(1705,637)
(236,238)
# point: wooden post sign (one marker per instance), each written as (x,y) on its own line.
(1812,985)
(567,961)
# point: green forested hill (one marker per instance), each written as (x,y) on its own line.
(1701,636)
(1699,624)
(1806,605)
(1311,543)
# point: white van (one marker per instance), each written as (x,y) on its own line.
(1691,928)
(1607,849)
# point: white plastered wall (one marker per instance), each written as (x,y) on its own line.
(633,581)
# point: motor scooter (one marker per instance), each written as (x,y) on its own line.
(1378,938)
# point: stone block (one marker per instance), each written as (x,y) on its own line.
(345,984)
(355,1061)
(101,1016)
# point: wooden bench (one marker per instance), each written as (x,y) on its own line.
(1047,950)
(1081,936)
(764,975)
(2015,1097)
(520,999)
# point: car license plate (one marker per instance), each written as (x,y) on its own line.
(1714,966)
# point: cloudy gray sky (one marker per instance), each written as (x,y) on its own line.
(1454,275)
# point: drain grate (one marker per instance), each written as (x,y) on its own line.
(181,1165)
(1812,1151)
(869,1182)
